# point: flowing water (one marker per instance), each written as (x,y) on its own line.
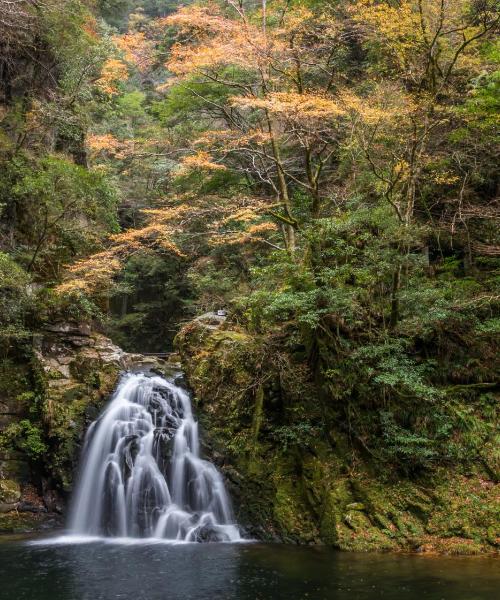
(144,492)
(142,475)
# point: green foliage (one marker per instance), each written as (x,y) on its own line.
(14,299)
(289,436)
(404,445)
(63,210)
(151,293)
(26,437)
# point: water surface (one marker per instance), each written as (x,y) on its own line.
(158,571)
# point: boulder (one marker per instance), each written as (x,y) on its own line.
(10,494)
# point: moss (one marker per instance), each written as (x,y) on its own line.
(14,522)
(66,416)
(10,491)
(257,414)
(318,488)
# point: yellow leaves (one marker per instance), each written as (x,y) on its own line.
(113,71)
(418,35)
(249,234)
(200,160)
(401,168)
(385,103)
(295,20)
(445,178)
(247,214)
(290,104)
(394,21)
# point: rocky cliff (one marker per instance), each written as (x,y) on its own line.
(303,483)
(49,392)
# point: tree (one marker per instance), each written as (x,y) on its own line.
(280,114)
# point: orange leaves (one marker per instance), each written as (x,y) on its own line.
(108,145)
(113,71)
(184,60)
(137,49)
(232,140)
(94,275)
(90,27)
(181,225)
(241,225)
(290,104)
(216,41)
(197,19)
(91,275)
(200,160)
(313,106)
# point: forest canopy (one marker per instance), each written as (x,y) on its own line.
(326,171)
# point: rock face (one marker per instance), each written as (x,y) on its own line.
(311,487)
(48,396)
(80,370)
(10,494)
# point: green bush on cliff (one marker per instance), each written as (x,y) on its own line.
(25,437)
(13,299)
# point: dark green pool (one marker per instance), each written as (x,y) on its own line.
(95,571)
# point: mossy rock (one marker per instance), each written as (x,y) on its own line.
(10,491)
(321,490)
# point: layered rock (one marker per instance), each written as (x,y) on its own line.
(49,395)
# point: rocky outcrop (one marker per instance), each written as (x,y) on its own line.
(308,484)
(80,369)
(48,397)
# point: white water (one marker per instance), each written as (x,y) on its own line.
(142,475)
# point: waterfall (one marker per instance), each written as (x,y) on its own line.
(142,475)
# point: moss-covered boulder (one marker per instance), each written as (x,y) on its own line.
(10,494)
(80,369)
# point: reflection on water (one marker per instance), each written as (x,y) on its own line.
(110,571)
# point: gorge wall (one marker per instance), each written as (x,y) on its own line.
(50,391)
(301,485)
(290,481)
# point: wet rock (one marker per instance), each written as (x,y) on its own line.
(30,507)
(209,534)
(69,328)
(53,501)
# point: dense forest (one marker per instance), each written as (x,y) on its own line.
(325,173)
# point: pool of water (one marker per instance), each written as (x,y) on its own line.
(154,571)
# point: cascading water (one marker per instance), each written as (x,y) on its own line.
(142,475)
